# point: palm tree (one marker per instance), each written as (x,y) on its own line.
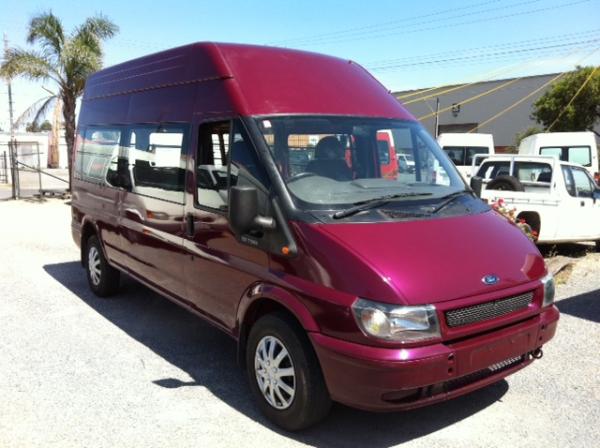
(64,59)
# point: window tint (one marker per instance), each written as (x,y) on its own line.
(580,155)
(217,167)
(154,154)
(583,184)
(98,154)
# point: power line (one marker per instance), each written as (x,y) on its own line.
(515,44)
(546,84)
(395,24)
(366,36)
(473,98)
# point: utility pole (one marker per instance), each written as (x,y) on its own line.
(12,147)
(437,119)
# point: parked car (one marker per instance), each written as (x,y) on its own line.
(336,283)
(462,147)
(575,147)
(559,200)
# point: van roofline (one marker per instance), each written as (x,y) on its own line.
(244,80)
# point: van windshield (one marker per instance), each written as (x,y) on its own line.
(330,162)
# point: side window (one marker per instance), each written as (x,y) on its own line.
(491,170)
(533,172)
(383,148)
(156,161)
(98,154)
(211,165)
(568,180)
(580,155)
(583,184)
(472,151)
(218,165)
(456,154)
(552,151)
(246,168)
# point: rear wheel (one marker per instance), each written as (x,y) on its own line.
(102,278)
(284,373)
(507,183)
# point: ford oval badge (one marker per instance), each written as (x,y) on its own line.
(490,279)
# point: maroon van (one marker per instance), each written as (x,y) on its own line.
(245,184)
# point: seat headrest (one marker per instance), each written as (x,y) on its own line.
(329,148)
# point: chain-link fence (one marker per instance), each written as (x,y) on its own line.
(23,172)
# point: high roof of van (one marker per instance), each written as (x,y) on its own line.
(250,80)
(532,144)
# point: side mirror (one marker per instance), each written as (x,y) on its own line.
(243,211)
(596,194)
(476,185)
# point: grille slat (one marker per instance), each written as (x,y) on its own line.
(488,310)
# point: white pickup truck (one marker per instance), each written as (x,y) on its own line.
(559,200)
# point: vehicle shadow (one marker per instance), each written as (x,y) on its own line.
(209,357)
(585,306)
(571,250)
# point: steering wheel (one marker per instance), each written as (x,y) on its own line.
(299,176)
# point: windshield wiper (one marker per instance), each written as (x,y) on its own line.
(372,203)
(448,199)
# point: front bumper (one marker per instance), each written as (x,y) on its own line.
(383,379)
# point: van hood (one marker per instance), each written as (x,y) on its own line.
(425,261)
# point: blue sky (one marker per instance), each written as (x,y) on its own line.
(404,44)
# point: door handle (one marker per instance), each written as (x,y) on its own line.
(189,225)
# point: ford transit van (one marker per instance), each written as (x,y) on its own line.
(246,184)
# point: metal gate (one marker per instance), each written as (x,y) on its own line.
(23,167)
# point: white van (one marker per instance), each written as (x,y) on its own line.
(462,147)
(574,147)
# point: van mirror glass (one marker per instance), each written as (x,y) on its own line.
(477,185)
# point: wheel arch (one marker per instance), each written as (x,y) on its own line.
(533,219)
(262,299)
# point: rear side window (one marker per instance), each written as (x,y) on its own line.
(491,170)
(574,154)
(98,154)
(533,172)
(456,154)
(156,160)
(580,155)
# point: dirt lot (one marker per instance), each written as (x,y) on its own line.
(137,371)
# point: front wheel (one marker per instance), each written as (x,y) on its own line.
(102,278)
(284,374)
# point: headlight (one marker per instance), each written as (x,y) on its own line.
(549,290)
(396,323)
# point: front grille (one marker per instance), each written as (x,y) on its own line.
(488,310)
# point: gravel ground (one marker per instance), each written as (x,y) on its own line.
(137,371)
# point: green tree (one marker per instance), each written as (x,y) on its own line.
(35,127)
(64,59)
(526,133)
(558,111)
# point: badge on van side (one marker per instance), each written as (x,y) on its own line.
(490,279)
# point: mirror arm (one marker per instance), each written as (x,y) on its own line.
(265,222)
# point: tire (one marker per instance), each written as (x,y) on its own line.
(309,402)
(506,183)
(102,278)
